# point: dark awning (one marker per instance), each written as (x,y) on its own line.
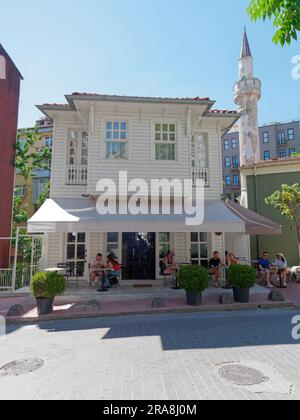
(255,223)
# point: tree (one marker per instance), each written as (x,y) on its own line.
(45,194)
(20,217)
(285,15)
(28,158)
(287,202)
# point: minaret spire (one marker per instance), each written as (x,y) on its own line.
(247,93)
(246,51)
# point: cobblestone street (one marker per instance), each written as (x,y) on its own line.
(154,357)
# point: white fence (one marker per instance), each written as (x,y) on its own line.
(6,279)
(20,274)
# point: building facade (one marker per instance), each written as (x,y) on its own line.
(10,78)
(277,141)
(149,138)
(263,179)
(110,150)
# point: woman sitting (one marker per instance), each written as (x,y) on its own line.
(115,271)
(281,266)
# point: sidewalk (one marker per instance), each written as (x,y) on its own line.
(129,301)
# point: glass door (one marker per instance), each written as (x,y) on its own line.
(76,252)
(139,256)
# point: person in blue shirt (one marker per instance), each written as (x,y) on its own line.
(264,266)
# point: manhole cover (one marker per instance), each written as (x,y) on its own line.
(21,367)
(242,375)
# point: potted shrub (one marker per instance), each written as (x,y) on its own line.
(194,279)
(44,287)
(241,278)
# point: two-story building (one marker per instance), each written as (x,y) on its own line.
(10,80)
(98,136)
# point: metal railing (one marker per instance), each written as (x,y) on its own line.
(77,174)
(202,175)
(6,278)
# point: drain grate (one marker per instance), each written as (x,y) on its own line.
(21,367)
(242,375)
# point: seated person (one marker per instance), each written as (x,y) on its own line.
(96,265)
(215,264)
(115,270)
(282,268)
(231,259)
(264,267)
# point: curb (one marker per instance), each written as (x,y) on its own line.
(165,311)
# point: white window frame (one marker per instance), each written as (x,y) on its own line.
(226,144)
(76,243)
(234,142)
(228,178)
(291,130)
(199,243)
(105,140)
(78,155)
(227,159)
(266,137)
(162,121)
(281,138)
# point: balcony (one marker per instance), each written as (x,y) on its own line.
(77,175)
(201,174)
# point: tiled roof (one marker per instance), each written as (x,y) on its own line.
(197,98)
(72,97)
(273,162)
(222,111)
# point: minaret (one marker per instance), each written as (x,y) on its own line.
(247,93)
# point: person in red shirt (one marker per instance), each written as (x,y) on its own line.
(115,270)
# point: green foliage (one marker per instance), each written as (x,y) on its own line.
(285,15)
(287,202)
(193,278)
(241,276)
(45,194)
(29,160)
(47,285)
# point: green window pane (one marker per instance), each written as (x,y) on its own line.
(164,237)
(203,237)
(112,237)
(194,237)
(194,251)
(203,251)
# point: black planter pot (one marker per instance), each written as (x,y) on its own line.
(241,295)
(44,306)
(193,299)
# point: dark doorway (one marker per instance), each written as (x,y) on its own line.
(138,256)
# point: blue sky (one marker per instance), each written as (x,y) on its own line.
(143,47)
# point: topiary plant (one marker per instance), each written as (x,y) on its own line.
(241,276)
(193,278)
(47,285)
